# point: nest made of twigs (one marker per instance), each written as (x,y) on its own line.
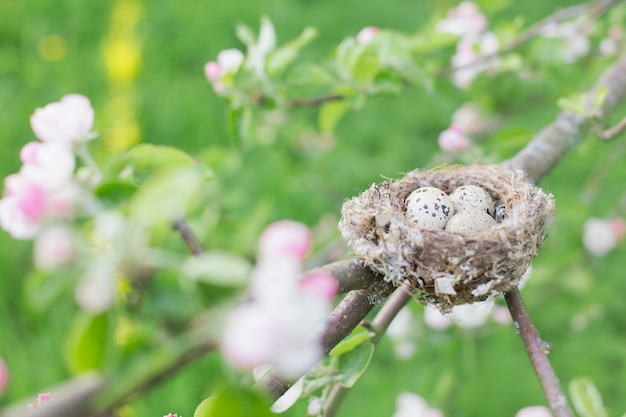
(473,265)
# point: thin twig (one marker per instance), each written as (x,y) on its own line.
(594,8)
(316,101)
(614,131)
(538,352)
(181,226)
(381,322)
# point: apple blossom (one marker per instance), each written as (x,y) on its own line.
(171,415)
(67,121)
(534,411)
(42,399)
(435,319)
(409,404)
(465,19)
(501,315)
(95,292)
(452,140)
(51,164)
(470,58)
(320,284)
(315,406)
(228,62)
(53,248)
(574,36)
(285,238)
(4,377)
(470,316)
(367,35)
(600,236)
(468,119)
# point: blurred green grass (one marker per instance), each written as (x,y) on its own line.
(486,374)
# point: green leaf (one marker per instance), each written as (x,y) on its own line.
(352,364)
(586,398)
(358,336)
(415,74)
(575,103)
(599,97)
(245,35)
(366,65)
(167,195)
(238,122)
(112,193)
(87,342)
(330,114)
(219,268)
(309,74)
(234,403)
(285,55)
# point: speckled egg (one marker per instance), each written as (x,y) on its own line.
(429,208)
(472,197)
(469,221)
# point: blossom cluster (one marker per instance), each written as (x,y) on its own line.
(227,63)
(278,324)
(476,48)
(600,236)
(44,190)
(466,122)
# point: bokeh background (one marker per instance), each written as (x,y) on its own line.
(141,64)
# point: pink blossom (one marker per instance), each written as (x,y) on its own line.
(534,411)
(14,221)
(67,121)
(467,64)
(53,248)
(42,399)
(51,164)
(230,60)
(171,415)
(95,292)
(367,35)
(600,236)
(251,337)
(285,238)
(4,377)
(213,71)
(314,407)
(453,140)
(409,404)
(501,315)
(470,316)
(468,119)
(465,19)
(320,284)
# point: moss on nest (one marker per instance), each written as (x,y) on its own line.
(448,268)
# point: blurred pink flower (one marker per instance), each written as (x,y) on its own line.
(467,64)
(367,35)
(574,37)
(67,121)
(320,284)
(453,140)
(171,415)
(468,119)
(4,377)
(534,411)
(314,407)
(435,320)
(285,238)
(600,236)
(465,19)
(228,62)
(409,404)
(51,164)
(42,399)
(53,248)
(501,315)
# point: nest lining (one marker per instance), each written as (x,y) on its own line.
(448,268)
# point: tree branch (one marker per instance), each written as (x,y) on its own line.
(381,322)
(614,131)
(552,143)
(538,352)
(182,227)
(351,274)
(316,101)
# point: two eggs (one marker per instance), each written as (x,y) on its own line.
(467,209)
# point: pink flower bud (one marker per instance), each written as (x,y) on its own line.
(367,35)
(44,397)
(66,121)
(320,284)
(230,60)
(213,71)
(14,221)
(4,377)
(534,411)
(452,140)
(285,238)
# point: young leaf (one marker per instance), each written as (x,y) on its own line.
(87,342)
(574,103)
(285,55)
(599,97)
(309,74)
(43,289)
(330,114)
(586,398)
(366,65)
(234,403)
(358,336)
(352,364)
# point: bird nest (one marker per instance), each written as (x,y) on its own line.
(472,265)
